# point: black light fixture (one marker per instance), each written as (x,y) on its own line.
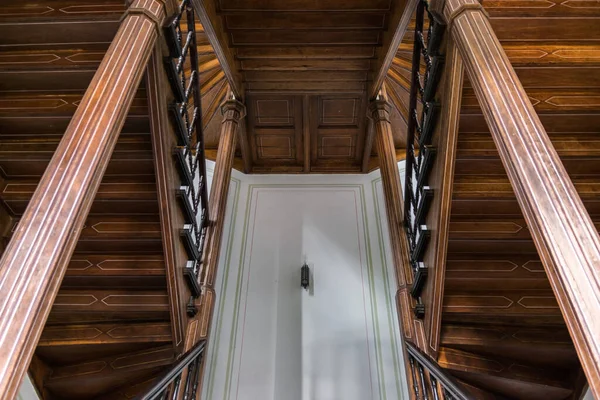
(304,276)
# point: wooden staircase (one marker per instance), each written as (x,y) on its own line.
(110,331)
(502,332)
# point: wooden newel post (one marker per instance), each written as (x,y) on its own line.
(199,328)
(379,112)
(35,260)
(233,111)
(564,234)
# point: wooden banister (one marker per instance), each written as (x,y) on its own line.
(563,232)
(35,260)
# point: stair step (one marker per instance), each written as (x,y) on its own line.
(73,306)
(45,34)
(35,126)
(102,375)
(506,377)
(115,272)
(492,273)
(46,79)
(542,347)
(101,334)
(30,159)
(123,198)
(507,306)
(52,104)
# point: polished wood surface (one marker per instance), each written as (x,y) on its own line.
(310,67)
(411,328)
(441,179)
(562,230)
(35,261)
(172,219)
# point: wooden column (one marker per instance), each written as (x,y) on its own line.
(233,111)
(564,234)
(34,262)
(379,112)
(412,329)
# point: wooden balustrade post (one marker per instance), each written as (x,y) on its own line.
(379,112)
(411,329)
(564,234)
(35,260)
(233,112)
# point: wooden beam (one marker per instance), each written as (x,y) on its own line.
(563,232)
(35,261)
(215,32)
(441,179)
(399,17)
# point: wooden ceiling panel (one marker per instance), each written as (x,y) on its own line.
(275,129)
(337,129)
(306,65)
(302,5)
(303,37)
(307,20)
(306,52)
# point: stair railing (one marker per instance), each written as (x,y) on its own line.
(189,156)
(420,154)
(429,381)
(181,381)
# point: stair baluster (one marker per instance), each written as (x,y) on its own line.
(189,157)
(426,371)
(420,155)
(187,369)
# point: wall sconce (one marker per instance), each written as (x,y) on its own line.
(304,276)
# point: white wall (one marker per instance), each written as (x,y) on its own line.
(273,341)
(341,339)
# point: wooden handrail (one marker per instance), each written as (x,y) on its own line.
(564,234)
(168,386)
(35,260)
(449,388)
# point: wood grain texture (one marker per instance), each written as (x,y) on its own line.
(171,220)
(207,13)
(563,232)
(412,330)
(400,16)
(34,262)
(442,176)
(390,176)
(198,328)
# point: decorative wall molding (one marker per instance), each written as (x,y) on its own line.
(223,357)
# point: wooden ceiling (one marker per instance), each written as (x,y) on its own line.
(305,69)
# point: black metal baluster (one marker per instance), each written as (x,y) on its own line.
(412,363)
(423,382)
(434,387)
(184,77)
